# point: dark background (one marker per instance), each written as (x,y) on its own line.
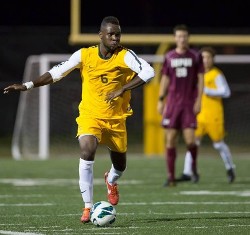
(227,15)
(42,26)
(35,27)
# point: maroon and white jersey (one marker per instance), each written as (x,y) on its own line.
(182,69)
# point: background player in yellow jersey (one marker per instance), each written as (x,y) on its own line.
(108,71)
(210,120)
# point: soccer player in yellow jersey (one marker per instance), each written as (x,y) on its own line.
(211,118)
(109,72)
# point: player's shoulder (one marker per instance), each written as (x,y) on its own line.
(87,52)
(122,49)
(194,51)
(217,70)
(90,48)
(171,53)
(125,52)
(195,54)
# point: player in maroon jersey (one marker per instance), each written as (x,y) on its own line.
(181,88)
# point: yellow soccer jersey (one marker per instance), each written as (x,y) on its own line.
(101,76)
(211,106)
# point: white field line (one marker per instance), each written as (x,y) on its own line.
(9,224)
(24,195)
(164,226)
(59,182)
(182,203)
(55,230)
(139,203)
(44,229)
(244,193)
(138,213)
(215,226)
(134,213)
(17,233)
(99,181)
(201,212)
(27,204)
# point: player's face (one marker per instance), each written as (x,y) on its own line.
(181,39)
(110,37)
(208,60)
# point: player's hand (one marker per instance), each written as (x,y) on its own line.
(14,87)
(160,107)
(197,107)
(112,95)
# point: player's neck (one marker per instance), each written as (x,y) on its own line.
(207,69)
(181,50)
(104,52)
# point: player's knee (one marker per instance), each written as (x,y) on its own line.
(191,145)
(87,155)
(170,143)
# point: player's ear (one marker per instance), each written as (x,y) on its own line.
(100,34)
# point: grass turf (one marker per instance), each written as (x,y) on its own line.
(42,197)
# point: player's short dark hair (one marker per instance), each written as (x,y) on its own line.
(109,20)
(209,49)
(181,27)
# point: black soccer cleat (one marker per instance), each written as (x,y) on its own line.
(195,178)
(169,183)
(183,178)
(230,175)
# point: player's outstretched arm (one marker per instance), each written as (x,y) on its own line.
(14,87)
(45,79)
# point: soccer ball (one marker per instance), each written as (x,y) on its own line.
(102,214)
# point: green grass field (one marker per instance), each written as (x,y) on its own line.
(42,197)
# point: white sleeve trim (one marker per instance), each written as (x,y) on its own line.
(64,68)
(222,89)
(143,69)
